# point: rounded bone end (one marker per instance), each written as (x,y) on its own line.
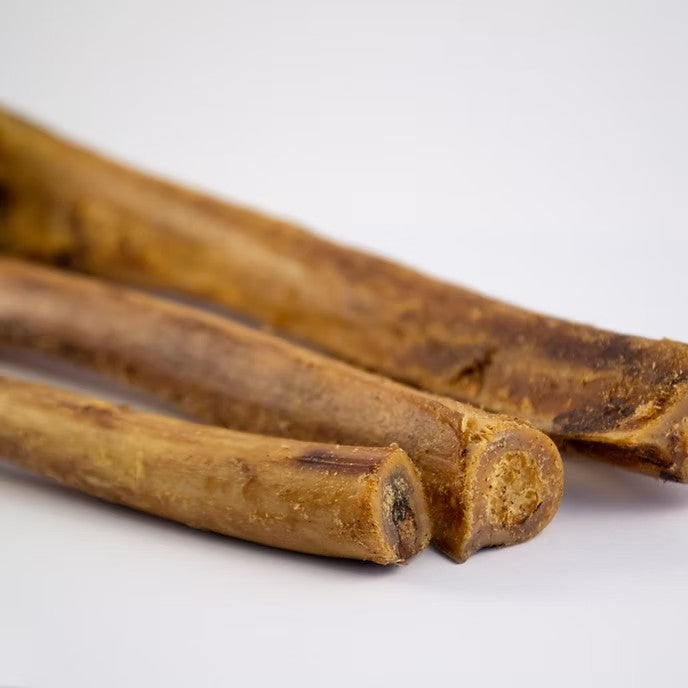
(403,511)
(512,493)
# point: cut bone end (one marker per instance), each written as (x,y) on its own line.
(404,512)
(514,491)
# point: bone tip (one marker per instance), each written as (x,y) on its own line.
(404,510)
(517,490)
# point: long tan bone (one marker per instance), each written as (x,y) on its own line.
(354,502)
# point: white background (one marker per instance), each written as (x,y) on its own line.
(537,151)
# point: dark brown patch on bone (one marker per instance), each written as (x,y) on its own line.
(97,415)
(402,527)
(444,358)
(6,201)
(14,331)
(338,462)
(601,417)
(475,372)
(401,509)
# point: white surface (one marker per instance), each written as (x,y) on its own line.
(535,150)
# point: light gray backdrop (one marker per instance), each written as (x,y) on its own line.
(537,151)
